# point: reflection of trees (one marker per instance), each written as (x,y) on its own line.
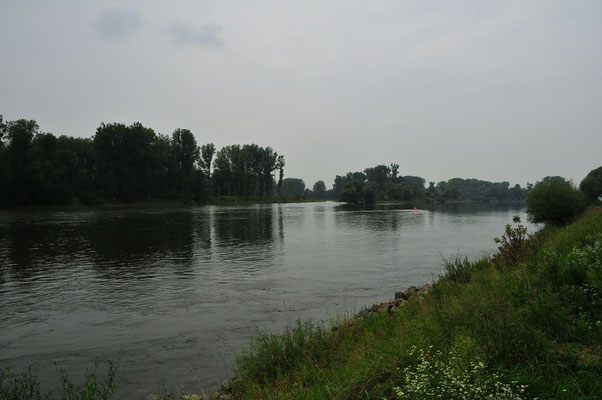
(243,226)
(373,220)
(475,208)
(30,245)
(137,242)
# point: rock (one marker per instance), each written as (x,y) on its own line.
(411,292)
(400,296)
(221,396)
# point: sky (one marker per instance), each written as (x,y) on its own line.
(494,90)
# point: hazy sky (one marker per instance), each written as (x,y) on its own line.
(496,90)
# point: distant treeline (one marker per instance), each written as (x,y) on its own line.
(123,163)
(384,183)
(128,163)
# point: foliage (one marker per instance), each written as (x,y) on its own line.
(514,245)
(389,185)
(26,385)
(21,386)
(127,163)
(555,201)
(457,269)
(270,355)
(319,190)
(91,389)
(245,171)
(293,187)
(591,185)
(359,192)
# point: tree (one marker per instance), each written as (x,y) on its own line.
(378,175)
(280,165)
(554,201)
(3,129)
(591,185)
(20,136)
(319,190)
(207,152)
(186,154)
(293,187)
(359,192)
(415,182)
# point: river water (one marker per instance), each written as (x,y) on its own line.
(173,294)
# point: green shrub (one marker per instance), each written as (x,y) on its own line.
(591,185)
(554,201)
(514,245)
(457,269)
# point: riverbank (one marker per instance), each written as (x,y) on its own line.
(523,324)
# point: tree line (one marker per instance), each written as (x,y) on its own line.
(384,182)
(128,163)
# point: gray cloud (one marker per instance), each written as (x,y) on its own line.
(205,35)
(117,23)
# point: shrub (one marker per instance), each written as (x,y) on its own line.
(554,201)
(514,245)
(457,269)
(591,185)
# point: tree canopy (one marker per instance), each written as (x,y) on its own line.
(591,185)
(127,163)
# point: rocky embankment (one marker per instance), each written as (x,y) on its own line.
(411,293)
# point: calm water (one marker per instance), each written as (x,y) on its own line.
(173,294)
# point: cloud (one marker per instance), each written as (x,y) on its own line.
(205,35)
(117,23)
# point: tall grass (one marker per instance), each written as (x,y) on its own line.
(524,324)
(26,385)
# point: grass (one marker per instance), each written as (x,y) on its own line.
(26,385)
(523,324)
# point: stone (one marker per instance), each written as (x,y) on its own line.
(411,291)
(400,295)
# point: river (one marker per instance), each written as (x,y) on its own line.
(173,294)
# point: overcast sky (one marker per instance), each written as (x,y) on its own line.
(496,90)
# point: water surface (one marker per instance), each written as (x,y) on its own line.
(173,294)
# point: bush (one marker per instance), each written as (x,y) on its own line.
(591,185)
(514,245)
(554,201)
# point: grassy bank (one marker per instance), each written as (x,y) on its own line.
(524,324)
